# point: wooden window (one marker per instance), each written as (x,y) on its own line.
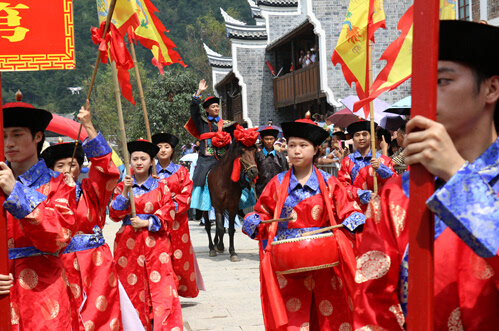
(464,10)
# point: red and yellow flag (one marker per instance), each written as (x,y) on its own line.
(363,18)
(151,34)
(124,18)
(124,14)
(398,68)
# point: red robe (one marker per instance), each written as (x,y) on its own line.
(466,286)
(356,176)
(39,298)
(143,257)
(180,185)
(332,304)
(87,269)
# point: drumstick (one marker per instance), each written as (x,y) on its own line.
(322,230)
(290,218)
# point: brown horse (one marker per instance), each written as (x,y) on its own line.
(225,193)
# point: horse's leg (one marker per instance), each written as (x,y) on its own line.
(207,226)
(232,250)
(220,231)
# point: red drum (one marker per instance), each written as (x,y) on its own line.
(303,254)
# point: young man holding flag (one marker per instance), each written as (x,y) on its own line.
(462,151)
(40,205)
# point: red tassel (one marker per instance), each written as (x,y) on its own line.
(236,170)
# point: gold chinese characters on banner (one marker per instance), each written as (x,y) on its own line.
(36,35)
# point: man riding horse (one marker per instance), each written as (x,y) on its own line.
(215,136)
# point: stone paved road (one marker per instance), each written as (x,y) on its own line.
(232,298)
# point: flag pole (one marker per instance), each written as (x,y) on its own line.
(371,111)
(421,223)
(123,133)
(4,250)
(142,98)
(94,74)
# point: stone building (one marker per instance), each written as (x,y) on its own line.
(258,83)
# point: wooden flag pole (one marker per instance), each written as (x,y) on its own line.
(420,307)
(94,74)
(4,250)
(117,93)
(371,113)
(142,100)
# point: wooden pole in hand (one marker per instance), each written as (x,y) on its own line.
(142,100)
(4,251)
(117,92)
(371,112)
(420,307)
(96,66)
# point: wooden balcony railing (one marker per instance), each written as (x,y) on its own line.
(296,87)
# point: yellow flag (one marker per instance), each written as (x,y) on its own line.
(151,34)
(351,49)
(124,14)
(398,56)
(447,9)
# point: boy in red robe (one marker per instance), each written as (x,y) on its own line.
(40,205)
(357,168)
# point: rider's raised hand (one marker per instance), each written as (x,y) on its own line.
(202,87)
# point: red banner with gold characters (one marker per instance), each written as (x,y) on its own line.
(36,35)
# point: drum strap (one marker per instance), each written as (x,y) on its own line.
(273,300)
(348,263)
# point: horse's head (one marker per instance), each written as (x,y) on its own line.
(248,163)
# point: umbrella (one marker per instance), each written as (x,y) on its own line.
(392,122)
(343,118)
(378,104)
(67,127)
(275,127)
(401,107)
(189,157)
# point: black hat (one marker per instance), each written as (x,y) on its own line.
(142,145)
(269,131)
(360,126)
(305,129)
(210,100)
(22,114)
(165,138)
(472,43)
(61,151)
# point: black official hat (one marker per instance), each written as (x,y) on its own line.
(22,114)
(360,126)
(210,100)
(269,131)
(61,151)
(142,145)
(165,138)
(305,129)
(472,43)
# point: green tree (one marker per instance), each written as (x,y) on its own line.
(168,99)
